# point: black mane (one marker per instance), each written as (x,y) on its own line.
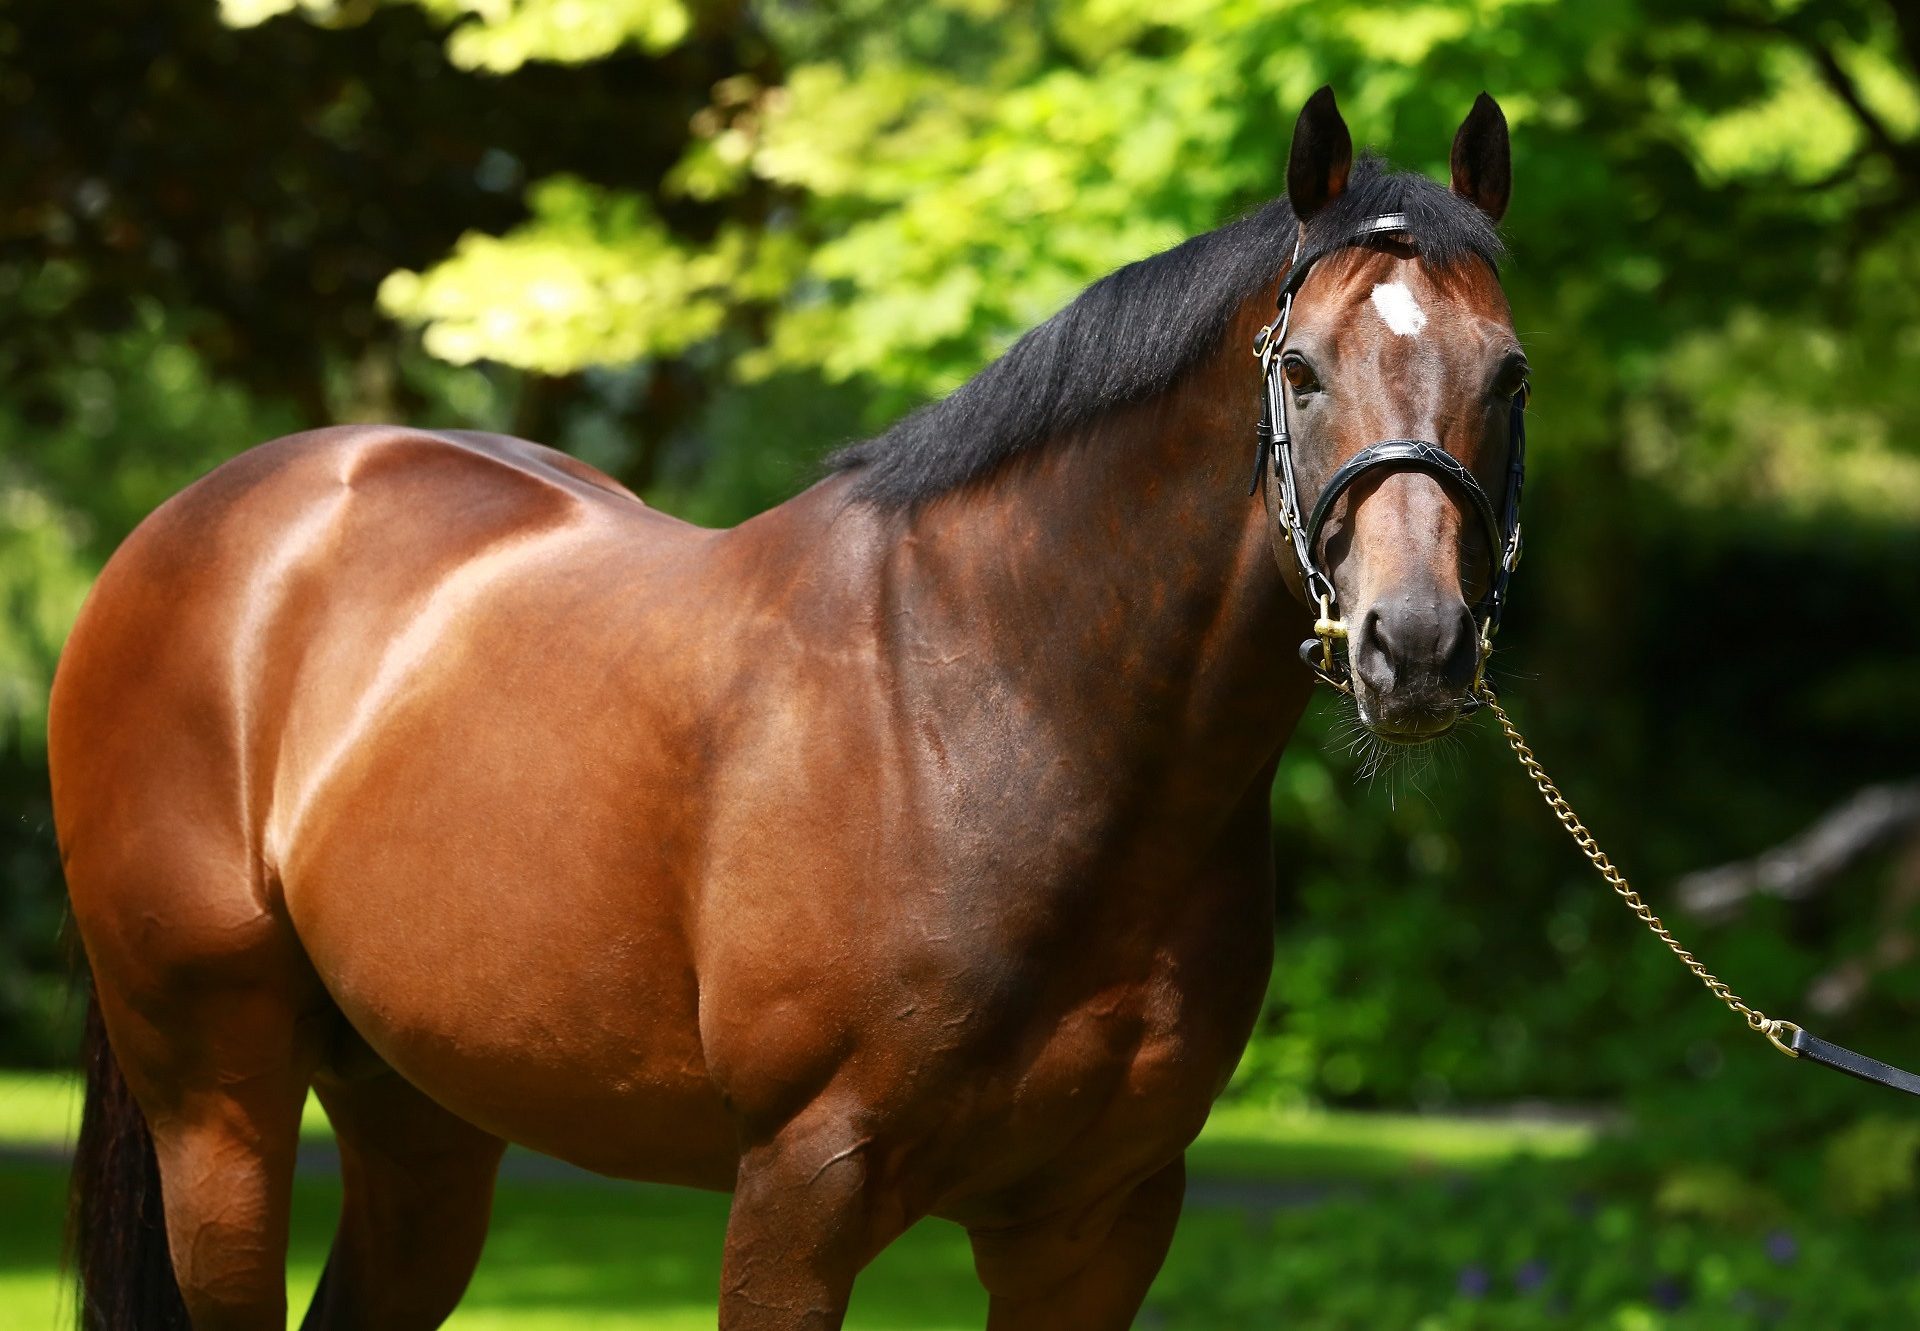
(1136,331)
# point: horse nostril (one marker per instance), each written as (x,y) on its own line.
(1373,656)
(1405,643)
(1462,650)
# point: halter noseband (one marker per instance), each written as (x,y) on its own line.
(1276,442)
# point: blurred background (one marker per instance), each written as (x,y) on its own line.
(698,244)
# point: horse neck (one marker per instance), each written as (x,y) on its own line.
(1122,583)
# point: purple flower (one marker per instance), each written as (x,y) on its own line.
(1782,1248)
(1474,1281)
(1668,1293)
(1530,1276)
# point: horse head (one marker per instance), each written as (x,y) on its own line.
(1395,384)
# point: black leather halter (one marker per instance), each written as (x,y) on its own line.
(1502,530)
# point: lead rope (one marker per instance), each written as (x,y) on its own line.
(1789,1038)
(1773,1029)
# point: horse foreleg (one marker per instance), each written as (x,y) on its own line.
(418,1196)
(1089,1270)
(806,1217)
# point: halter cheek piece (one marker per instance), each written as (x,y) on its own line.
(1275,454)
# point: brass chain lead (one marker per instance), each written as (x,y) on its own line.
(1773,1028)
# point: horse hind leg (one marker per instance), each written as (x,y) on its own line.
(219,1076)
(418,1195)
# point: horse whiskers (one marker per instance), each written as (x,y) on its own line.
(1399,765)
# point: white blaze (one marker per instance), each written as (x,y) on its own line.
(1398,307)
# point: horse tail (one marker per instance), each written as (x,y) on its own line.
(116,1229)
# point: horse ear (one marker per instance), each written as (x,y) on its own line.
(1321,157)
(1483,159)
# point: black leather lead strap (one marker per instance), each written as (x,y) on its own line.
(1805,1044)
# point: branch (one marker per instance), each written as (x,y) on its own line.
(1871,820)
(1841,84)
(1907,19)
(1904,157)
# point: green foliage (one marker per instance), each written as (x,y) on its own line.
(137,420)
(957,176)
(1537,1247)
(1244,1139)
(598,277)
(43,577)
(505,36)
(1717,1193)
(502,35)
(1871,1164)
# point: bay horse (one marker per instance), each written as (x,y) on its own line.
(902,851)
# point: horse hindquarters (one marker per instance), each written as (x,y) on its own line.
(169,733)
(216,1020)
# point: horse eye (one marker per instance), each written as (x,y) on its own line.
(1300,375)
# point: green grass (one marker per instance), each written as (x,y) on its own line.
(37,1108)
(564,1254)
(558,1256)
(43,1109)
(1254,1141)
(1522,1247)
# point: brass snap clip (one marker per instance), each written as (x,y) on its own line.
(1779,1032)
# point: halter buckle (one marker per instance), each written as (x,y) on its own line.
(1515,545)
(1327,628)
